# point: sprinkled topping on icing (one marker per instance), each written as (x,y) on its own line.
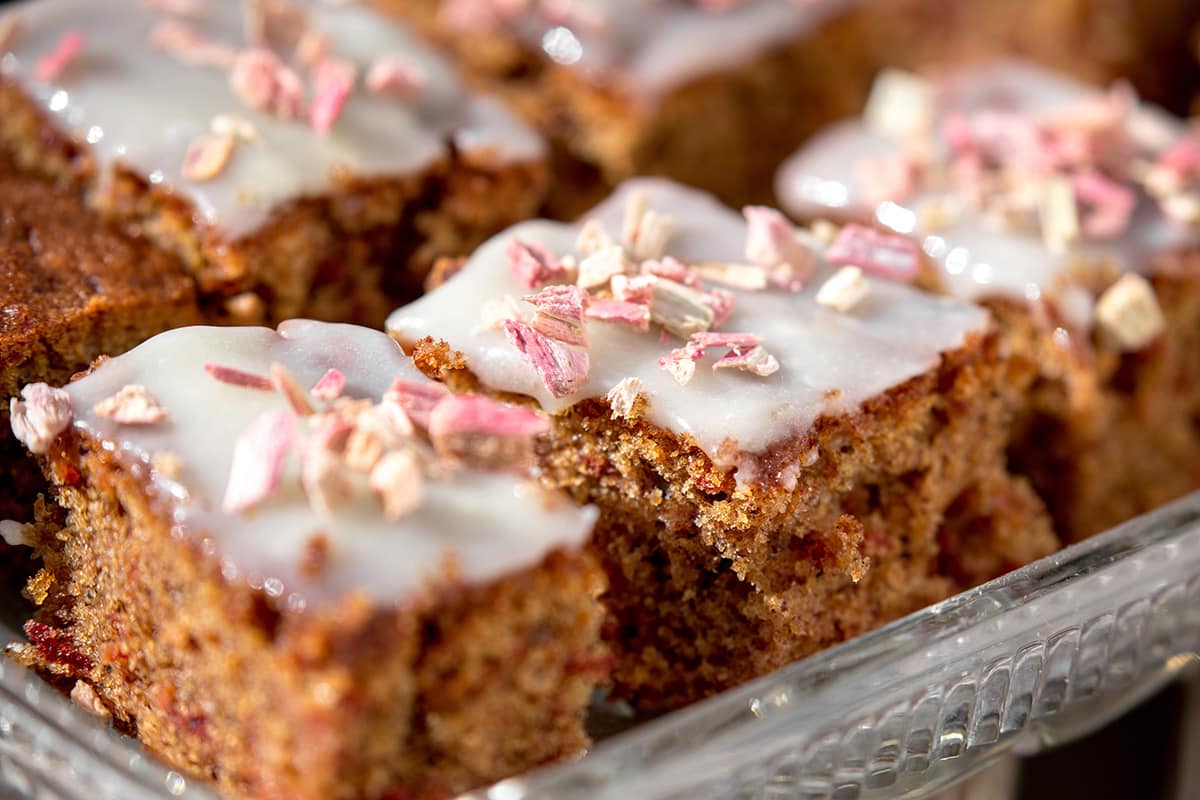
(41,414)
(1129,313)
(533,265)
(258,460)
(238,377)
(289,387)
(476,430)
(396,75)
(1017,182)
(207,157)
(844,290)
(771,241)
(559,313)
(886,255)
(51,65)
(237,127)
(133,405)
(623,397)
(563,369)
(262,81)
(329,387)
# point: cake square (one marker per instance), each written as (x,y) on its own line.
(780,465)
(299,159)
(1074,214)
(353,591)
(74,288)
(717,94)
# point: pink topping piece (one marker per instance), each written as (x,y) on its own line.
(721,301)
(706,339)
(239,377)
(755,360)
(639,289)
(191,47)
(132,405)
(417,398)
(258,459)
(289,387)
(10,27)
(476,414)
(533,265)
(263,82)
(562,369)
(397,76)
(1183,158)
(325,479)
(671,269)
(636,315)
(883,254)
(771,241)
(194,9)
(207,157)
(41,414)
(1110,204)
(560,312)
(399,483)
(329,387)
(50,66)
(333,82)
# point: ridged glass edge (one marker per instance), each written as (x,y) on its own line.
(1045,654)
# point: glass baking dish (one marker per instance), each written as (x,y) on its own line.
(1043,655)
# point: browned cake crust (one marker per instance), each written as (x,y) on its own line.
(73,288)
(728,132)
(465,685)
(1106,435)
(895,507)
(348,256)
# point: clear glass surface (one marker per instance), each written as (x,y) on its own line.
(1043,655)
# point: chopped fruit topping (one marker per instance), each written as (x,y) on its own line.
(84,696)
(748,277)
(329,387)
(207,157)
(10,27)
(239,377)
(883,254)
(602,265)
(333,82)
(133,405)
(1129,313)
(900,105)
(396,76)
(1110,204)
(50,66)
(771,242)
(755,360)
(258,459)
(1059,214)
(533,265)
(40,416)
(645,233)
(623,397)
(289,387)
(265,83)
(481,431)
(593,238)
(398,482)
(844,290)
(679,309)
(560,312)
(416,398)
(237,127)
(191,47)
(562,369)
(325,479)
(636,315)
(745,352)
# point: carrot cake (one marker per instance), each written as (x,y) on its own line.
(73,288)
(788,445)
(1074,214)
(716,93)
(294,566)
(299,158)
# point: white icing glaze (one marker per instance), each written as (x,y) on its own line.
(649,47)
(831,362)
(141,107)
(494,523)
(978,260)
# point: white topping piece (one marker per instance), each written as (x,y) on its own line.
(207,157)
(15,534)
(592,238)
(235,126)
(1129,313)
(844,290)
(602,266)
(901,104)
(40,416)
(84,696)
(133,405)
(1059,214)
(398,482)
(622,397)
